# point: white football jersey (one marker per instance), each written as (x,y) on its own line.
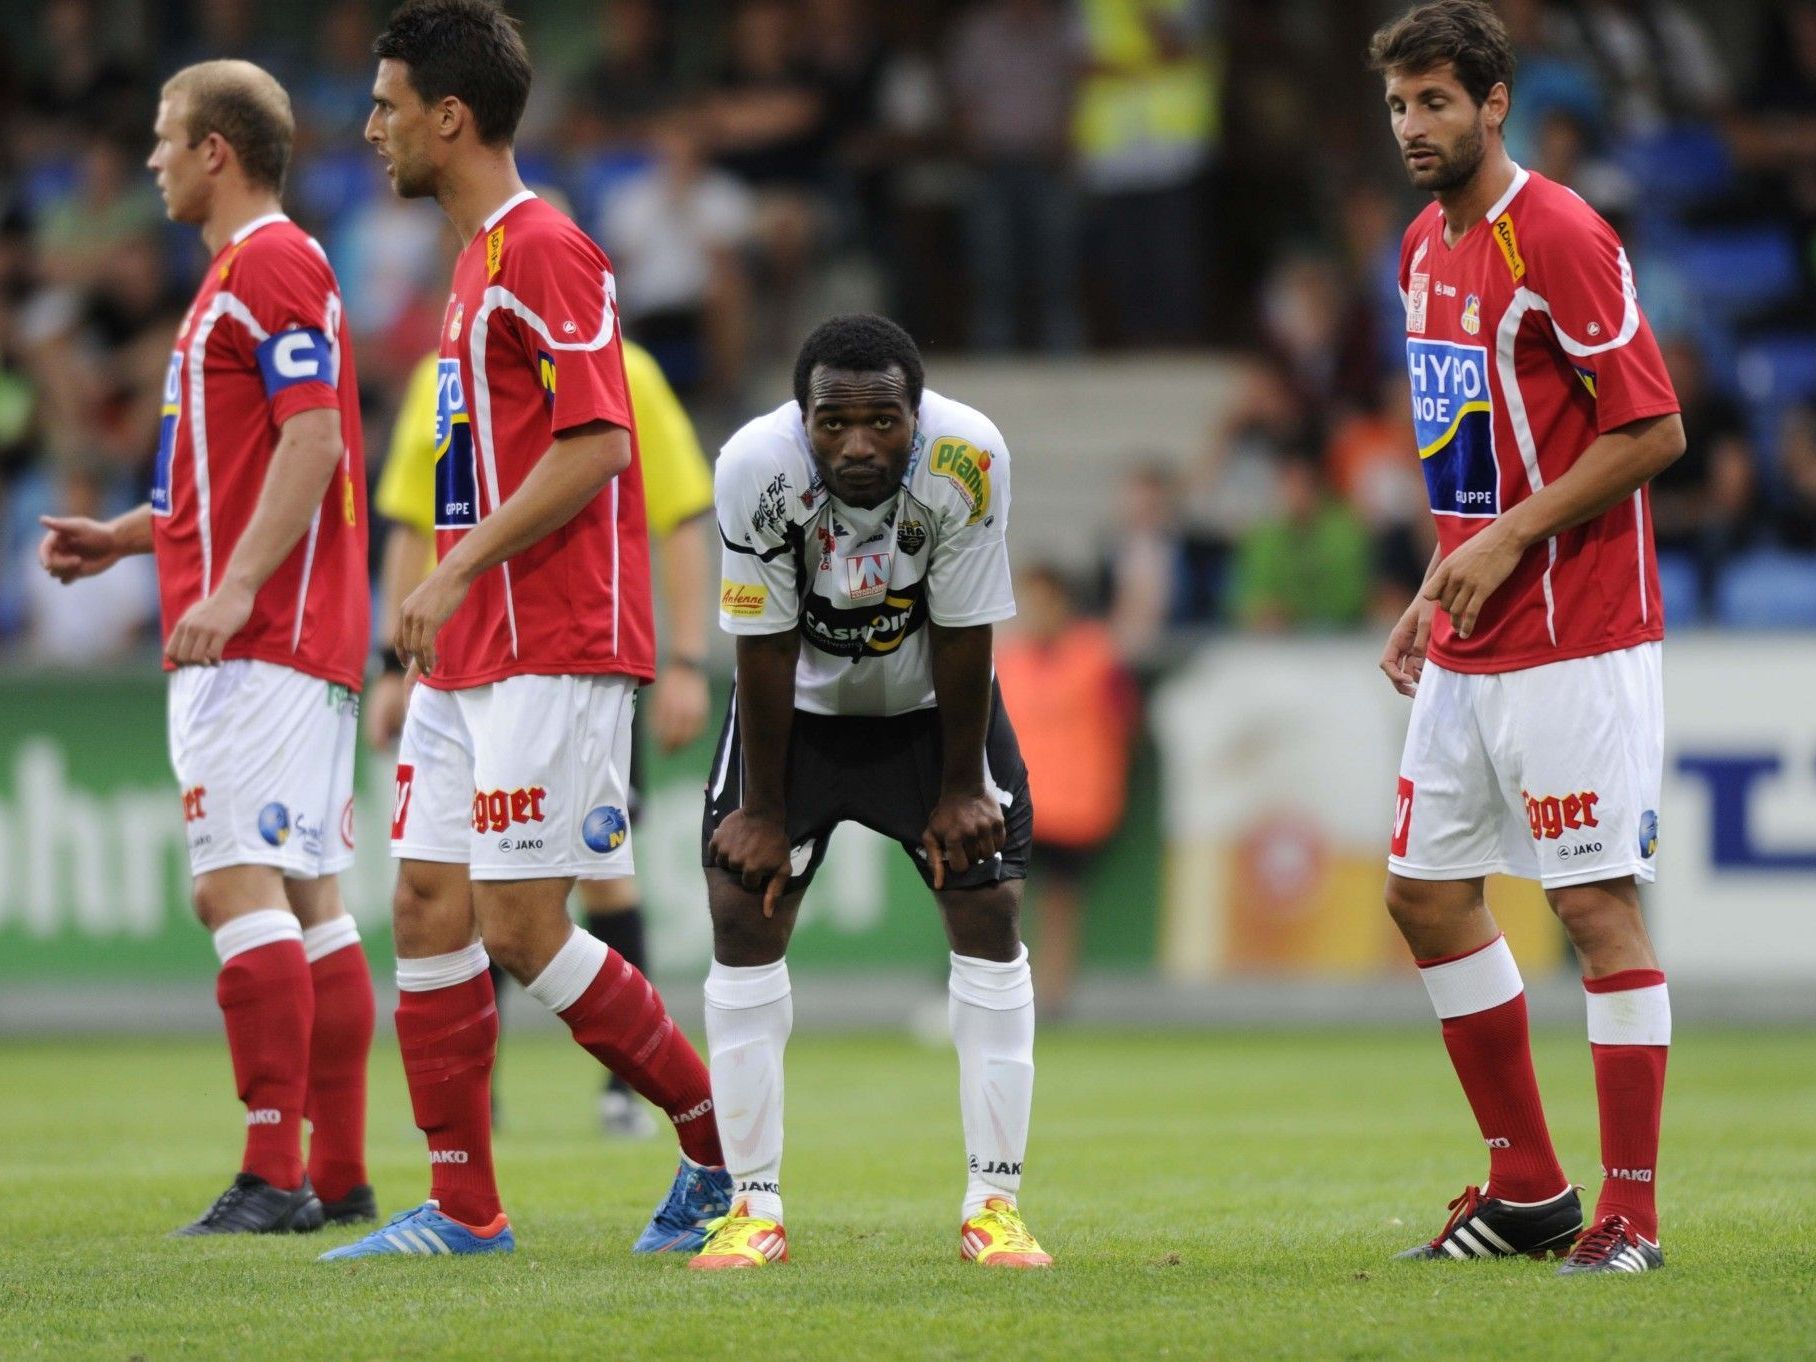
(862,584)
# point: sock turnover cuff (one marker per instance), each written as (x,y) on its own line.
(737,988)
(1635,1013)
(249,931)
(1463,985)
(427,973)
(1000,985)
(570,972)
(325,938)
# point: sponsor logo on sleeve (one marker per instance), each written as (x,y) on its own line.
(1505,238)
(170,411)
(494,251)
(966,468)
(742,600)
(545,375)
(1648,834)
(1453,418)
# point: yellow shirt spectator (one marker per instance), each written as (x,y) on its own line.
(677,483)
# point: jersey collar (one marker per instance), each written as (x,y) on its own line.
(1520,176)
(505,207)
(255,224)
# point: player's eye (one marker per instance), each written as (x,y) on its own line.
(884,422)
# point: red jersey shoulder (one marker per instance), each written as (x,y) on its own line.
(282,277)
(1418,232)
(1547,221)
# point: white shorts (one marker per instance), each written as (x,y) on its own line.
(264,757)
(523,779)
(1551,773)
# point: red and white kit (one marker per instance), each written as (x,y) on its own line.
(1536,744)
(263,745)
(514,756)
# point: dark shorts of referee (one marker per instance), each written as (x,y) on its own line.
(881,771)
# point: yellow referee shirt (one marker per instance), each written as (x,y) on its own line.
(677,483)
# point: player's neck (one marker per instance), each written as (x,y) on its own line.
(1469,203)
(477,187)
(231,210)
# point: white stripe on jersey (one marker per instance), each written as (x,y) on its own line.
(490,301)
(1639,537)
(1524,300)
(224,305)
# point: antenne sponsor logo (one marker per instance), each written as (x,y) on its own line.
(742,600)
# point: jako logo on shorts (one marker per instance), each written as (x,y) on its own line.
(605,828)
(274,824)
(1453,418)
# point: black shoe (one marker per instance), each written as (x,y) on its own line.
(1482,1227)
(358,1207)
(1612,1245)
(253,1206)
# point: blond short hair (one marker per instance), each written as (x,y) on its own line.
(247,107)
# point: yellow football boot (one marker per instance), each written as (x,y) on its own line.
(741,1240)
(998,1237)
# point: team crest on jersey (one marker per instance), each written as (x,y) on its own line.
(1453,418)
(911,537)
(966,468)
(456,480)
(460,313)
(1472,314)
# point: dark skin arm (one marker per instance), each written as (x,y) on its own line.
(752,842)
(966,825)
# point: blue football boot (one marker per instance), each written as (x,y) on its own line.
(426,1232)
(699,1195)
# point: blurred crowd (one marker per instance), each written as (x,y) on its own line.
(1020,176)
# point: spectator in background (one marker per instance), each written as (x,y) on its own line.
(1555,76)
(677,234)
(1148,568)
(1145,126)
(1794,510)
(765,122)
(1706,504)
(95,619)
(1563,153)
(1308,567)
(109,204)
(77,80)
(1656,62)
(1073,707)
(1011,72)
(616,101)
(1235,484)
(1368,464)
(334,95)
(1774,130)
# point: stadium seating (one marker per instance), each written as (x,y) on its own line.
(1735,270)
(1678,166)
(1775,373)
(1768,589)
(1680,589)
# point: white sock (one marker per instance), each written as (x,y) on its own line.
(992,1011)
(749,1013)
(325,938)
(570,971)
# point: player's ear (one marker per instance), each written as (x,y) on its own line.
(1497,105)
(450,116)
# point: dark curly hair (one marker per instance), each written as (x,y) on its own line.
(1466,34)
(864,342)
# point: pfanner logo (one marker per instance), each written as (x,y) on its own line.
(1453,419)
(966,468)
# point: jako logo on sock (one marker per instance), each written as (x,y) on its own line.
(754,1186)
(447,1156)
(693,1113)
(1628,1174)
(995,1166)
(264,1116)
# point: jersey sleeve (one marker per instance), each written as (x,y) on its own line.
(563,304)
(406,487)
(290,293)
(968,570)
(677,484)
(1587,282)
(759,587)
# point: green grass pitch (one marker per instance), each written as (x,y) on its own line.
(1224,1196)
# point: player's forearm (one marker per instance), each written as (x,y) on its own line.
(1609,471)
(132,530)
(308,451)
(766,687)
(409,554)
(686,554)
(961,688)
(575,469)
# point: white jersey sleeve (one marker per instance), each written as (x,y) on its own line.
(967,484)
(755,493)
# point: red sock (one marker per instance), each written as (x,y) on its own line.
(618,1017)
(1482,1003)
(268,1002)
(449,1038)
(1629,1038)
(338,1047)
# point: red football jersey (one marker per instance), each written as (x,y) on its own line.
(264,339)
(529,349)
(1524,342)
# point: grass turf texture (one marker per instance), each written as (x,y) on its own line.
(1227,1196)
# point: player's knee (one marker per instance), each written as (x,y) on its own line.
(514,950)
(1592,917)
(1412,905)
(430,914)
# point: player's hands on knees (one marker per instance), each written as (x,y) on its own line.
(1464,581)
(756,850)
(200,637)
(75,546)
(962,830)
(1403,659)
(423,612)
